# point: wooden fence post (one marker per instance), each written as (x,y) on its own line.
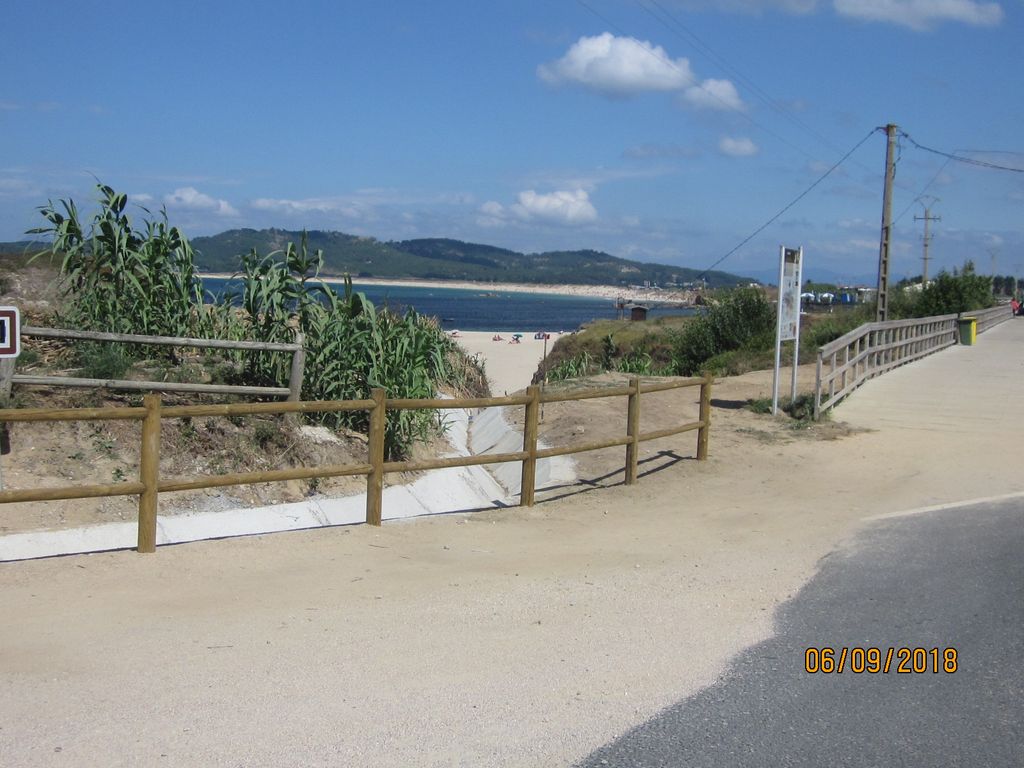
(6,372)
(705,418)
(375,478)
(633,431)
(528,479)
(817,384)
(149,474)
(298,368)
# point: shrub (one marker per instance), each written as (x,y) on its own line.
(957,292)
(741,319)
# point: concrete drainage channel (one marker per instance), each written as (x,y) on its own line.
(436,492)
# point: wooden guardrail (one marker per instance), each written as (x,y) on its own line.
(292,391)
(987,318)
(150,484)
(874,348)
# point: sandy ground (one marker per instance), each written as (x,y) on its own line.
(565,289)
(509,367)
(519,637)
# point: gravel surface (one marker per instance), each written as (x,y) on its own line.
(519,637)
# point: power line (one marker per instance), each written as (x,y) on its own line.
(924,189)
(961,158)
(958,155)
(795,200)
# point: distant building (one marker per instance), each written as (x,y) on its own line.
(637,313)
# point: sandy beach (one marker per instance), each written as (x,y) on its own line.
(635,294)
(509,366)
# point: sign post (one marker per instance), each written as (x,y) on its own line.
(10,348)
(787,326)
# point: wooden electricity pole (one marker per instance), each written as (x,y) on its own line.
(882,310)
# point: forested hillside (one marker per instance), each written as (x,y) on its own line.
(445,259)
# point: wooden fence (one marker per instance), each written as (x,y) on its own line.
(292,391)
(150,484)
(993,316)
(874,348)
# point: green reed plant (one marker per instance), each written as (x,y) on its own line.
(124,278)
(572,368)
(120,277)
(351,346)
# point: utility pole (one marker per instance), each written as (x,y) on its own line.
(882,307)
(927,237)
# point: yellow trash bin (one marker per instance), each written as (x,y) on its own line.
(968,327)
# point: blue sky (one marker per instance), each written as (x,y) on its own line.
(661,130)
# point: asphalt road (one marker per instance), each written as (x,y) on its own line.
(947,579)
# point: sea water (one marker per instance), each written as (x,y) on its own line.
(480,309)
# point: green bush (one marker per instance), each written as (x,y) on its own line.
(741,319)
(961,291)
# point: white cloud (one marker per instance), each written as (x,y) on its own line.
(559,207)
(714,94)
(308,205)
(366,205)
(618,66)
(922,14)
(191,199)
(567,207)
(857,224)
(742,147)
(19,188)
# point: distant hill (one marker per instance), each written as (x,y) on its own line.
(445,259)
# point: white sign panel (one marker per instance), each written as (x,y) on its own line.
(10,332)
(789,293)
(788,317)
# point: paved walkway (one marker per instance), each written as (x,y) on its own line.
(960,389)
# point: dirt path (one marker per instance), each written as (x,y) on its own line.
(521,637)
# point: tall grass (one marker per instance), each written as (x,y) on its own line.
(124,279)
(120,278)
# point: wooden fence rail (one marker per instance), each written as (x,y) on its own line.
(874,348)
(293,391)
(150,484)
(987,318)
